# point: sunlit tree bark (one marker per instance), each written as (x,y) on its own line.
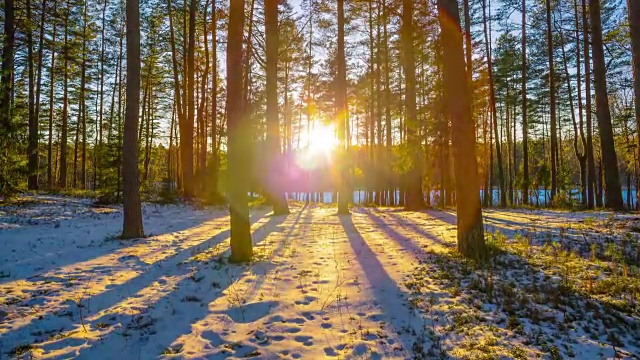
(238,139)
(132,227)
(457,97)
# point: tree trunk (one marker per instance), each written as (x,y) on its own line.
(65,103)
(591,166)
(387,104)
(582,159)
(32,148)
(341,108)
(634,24)
(6,74)
(50,176)
(186,136)
(238,139)
(132,225)
(525,122)
(83,82)
(552,105)
(580,156)
(214,103)
(494,111)
(613,193)
(457,94)
(415,199)
(275,179)
(99,151)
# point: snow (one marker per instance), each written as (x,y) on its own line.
(380,283)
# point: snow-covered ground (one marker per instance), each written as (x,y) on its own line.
(380,283)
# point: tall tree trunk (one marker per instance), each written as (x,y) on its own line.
(387,105)
(372,110)
(552,105)
(98,158)
(132,225)
(178,94)
(238,139)
(83,82)
(119,127)
(457,94)
(214,102)
(52,72)
(525,122)
(580,156)
(309,94)
(415,199)
(32,148)
(613,193)
(186,137)
(634,24)
(6,75)
(202,180)
(342,109)
(379,108)
(275,179)
(583,158)
(36,112)
(591,165)
(494,111)
(65,103)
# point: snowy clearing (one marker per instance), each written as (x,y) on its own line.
(380,283)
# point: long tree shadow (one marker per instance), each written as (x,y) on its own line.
(405,223)
(385,290)
(528,295)
(93,245)
(62,319)
(207,284)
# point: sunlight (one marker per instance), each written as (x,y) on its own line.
(322,140)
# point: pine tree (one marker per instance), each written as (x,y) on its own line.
(458,99)
(613,193)
(238,139)
(132,227)
(415,199)
(276,196)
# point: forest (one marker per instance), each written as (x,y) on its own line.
(320,178)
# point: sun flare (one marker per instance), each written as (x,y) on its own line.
(322,139)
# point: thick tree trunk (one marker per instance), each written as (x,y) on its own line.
(342,116)
(238,139)
(613,193)
(275,178)
(132,225)
(415,199)
(457,94)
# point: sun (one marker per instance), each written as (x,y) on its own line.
(322,139)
